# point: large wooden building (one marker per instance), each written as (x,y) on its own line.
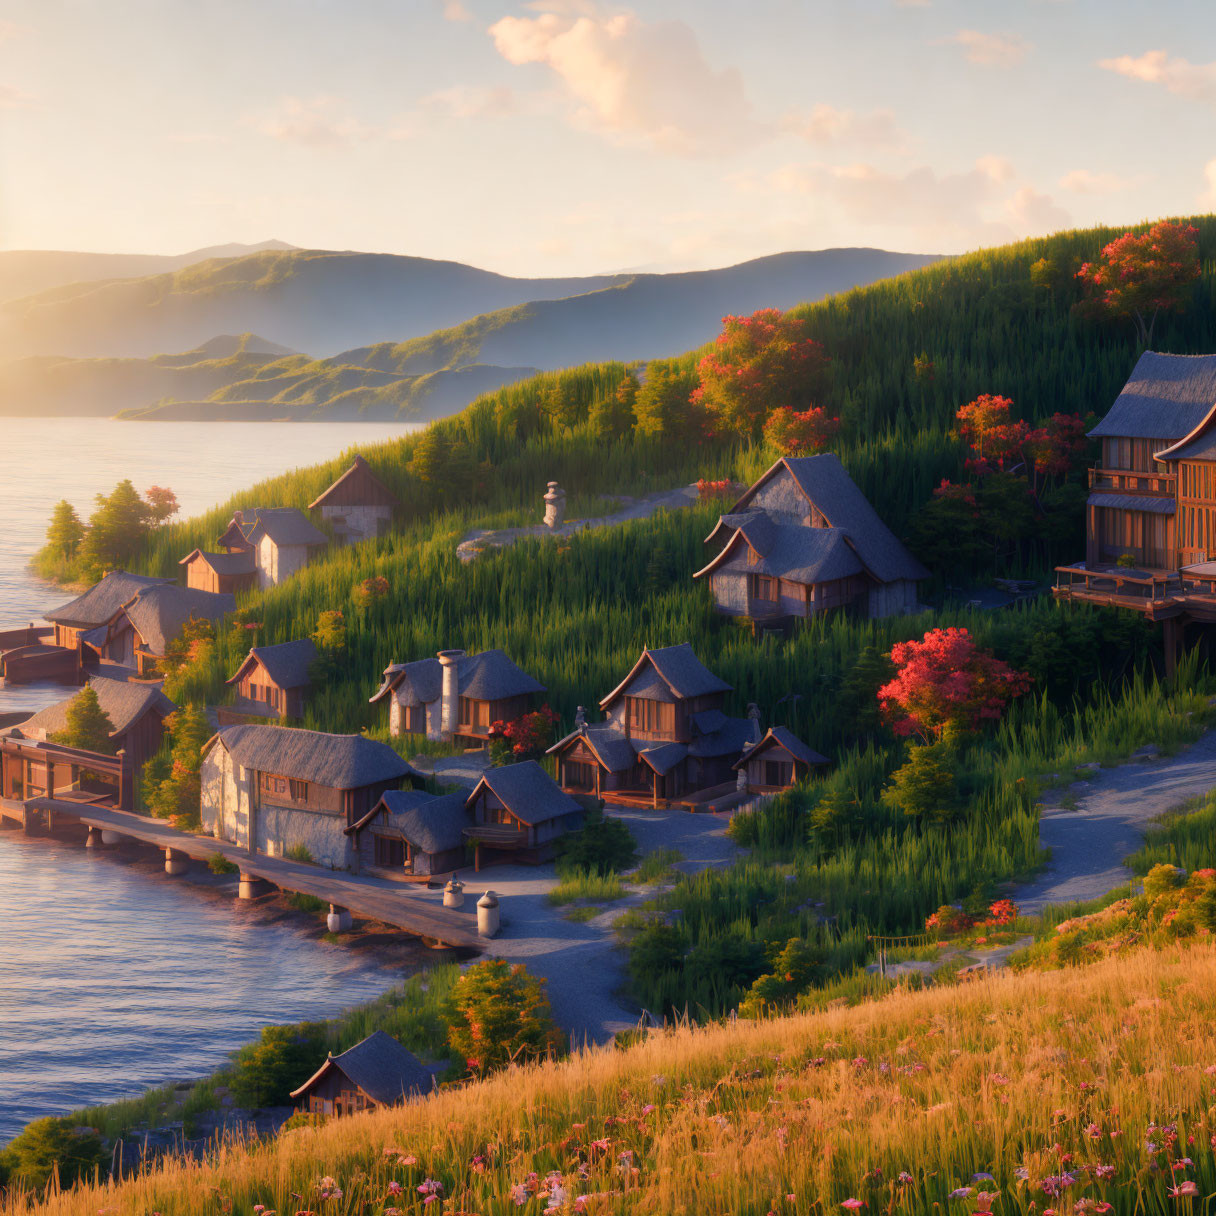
(1151,526)
(455,695)
(271,789)
(375,1072)
(804,540)
(665,736)
(358,506)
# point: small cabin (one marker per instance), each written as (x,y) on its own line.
(221,573)
(358,506)
(280,540)
(375,1072)
(273,681)
(271,789)
(413,832)
(456,696)
(96,607)
(777,762)
(519,810)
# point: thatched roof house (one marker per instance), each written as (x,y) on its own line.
(375,1072)
(273,681)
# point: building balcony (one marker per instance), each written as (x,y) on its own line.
(1129,481)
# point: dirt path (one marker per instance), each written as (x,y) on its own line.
(480,539)
(1113,807)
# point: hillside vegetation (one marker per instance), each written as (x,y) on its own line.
(1082,1090)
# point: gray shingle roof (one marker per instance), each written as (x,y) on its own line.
(284,526)
(432,823)
(1165,397)
(158,613)
(1202,447)
(381,1067)
(487,676)
(1133,502)
(121,702)
(729,740)
(223,563)
(792,744)
(344,762)
(826,483)
(709,720)
(793,552)
(528,792)
(680,670)
(663,757)
(287,664)
(101,602)
(607,741)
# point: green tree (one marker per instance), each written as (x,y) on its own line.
(330,639)
(612,416)
(52,1146)
(662,405)
(175,795)
(858,698)
(604,846)
(833,818)
(498,1015)
(794,968)
(924,787)
(282,1059)
(117,529)
(88,725)
(66,531)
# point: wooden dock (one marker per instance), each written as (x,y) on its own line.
(368,898)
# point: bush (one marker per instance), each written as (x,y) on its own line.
(52,1145)
(300,852)
(217,863)
(499,1015)
(1162,879)
(579,884)
(604,846)
(285,1057)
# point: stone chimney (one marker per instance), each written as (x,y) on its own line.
(555,505)
(449,704)
(580,720)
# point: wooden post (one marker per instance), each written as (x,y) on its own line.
(1172,633)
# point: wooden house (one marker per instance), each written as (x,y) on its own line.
(358,506)
(137,712)
(665,736)
(272,788)
(520,810)
(778,761)
(804,540)
(412,832)
(273,681)
(280,541)
(455,696)
(139,633)
(1151,524)
(375,1072)
(96,607)
(222,573)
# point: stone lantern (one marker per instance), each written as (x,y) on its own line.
(453,894)
(555,505)
(487,915)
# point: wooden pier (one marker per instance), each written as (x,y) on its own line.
(368,898)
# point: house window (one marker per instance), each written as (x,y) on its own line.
(274,785)
(580,776)
(763,587)
(474,713)
(776,773)
(390,852)
(298,791)
(651,717)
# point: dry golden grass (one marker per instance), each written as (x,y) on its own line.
(1060,1075)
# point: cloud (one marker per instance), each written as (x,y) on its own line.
(996,168)
(1196,81)
(1082,181)
(323,121)
(827,125)
(13,98)
(991,50)
(631,80)
(455,10)
(1032,213)
(463,101)
(13,29)
(1208,198)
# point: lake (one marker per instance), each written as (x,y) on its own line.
(111,981)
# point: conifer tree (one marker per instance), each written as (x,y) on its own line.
(116,528)
(66,531)
(89,726)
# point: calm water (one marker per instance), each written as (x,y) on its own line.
(109,981)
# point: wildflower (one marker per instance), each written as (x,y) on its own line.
(860,1062)
(852,1204)
(520,1194)
(984,1200)
(781,1136)
(981,1177)
(394,1188)
(601,1146)
(904,1178)
(1093,1131)
(647,1109)
(1181,1163)
(429,1186)
(1102,1172)
(1103,1206)
(1183,1189)
(960,1192)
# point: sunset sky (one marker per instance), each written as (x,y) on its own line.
(571,136)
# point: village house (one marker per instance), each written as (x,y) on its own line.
(280,541)
(455,696)
(375,1072)
(224,573)
(358,506)
(665,737)
(139,633)
(95,608)
(803,540)
(273,681)
(517,809)
(778,761)
(136,711)
(1151,511)
(271,789)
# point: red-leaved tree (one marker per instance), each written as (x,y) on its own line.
(800,434)
(1053,448)
(996,439)
(162,503)
(945,683)
(1139,276)
(756,362)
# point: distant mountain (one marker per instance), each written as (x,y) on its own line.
(24,272)
(327,302)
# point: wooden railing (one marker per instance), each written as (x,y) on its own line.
(1130,481)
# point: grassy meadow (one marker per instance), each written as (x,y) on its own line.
(1077,1090)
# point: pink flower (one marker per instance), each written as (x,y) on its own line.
(1183,1189)
(961,1192)
(852,1204)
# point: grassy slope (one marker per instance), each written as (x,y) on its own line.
(793,1115)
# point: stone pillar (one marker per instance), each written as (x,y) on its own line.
(93,839)
(488,915)
(339,920)
(251,886)
(555,505)
(176,862)
(453,894)
(449,713)
(110,837)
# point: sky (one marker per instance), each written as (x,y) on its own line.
(582,136)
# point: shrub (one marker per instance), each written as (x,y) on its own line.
(657,866)
(49,1146)
(371,591)
(283,1058)
(603,846)
(499,1015)
(580,884)
(217,863)
(948,920)
(1162,879)
(306,903)
(300,852)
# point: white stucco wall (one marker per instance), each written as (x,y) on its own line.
(278,562)
(280,828)
(397,718)
(225,804)
(362,523)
